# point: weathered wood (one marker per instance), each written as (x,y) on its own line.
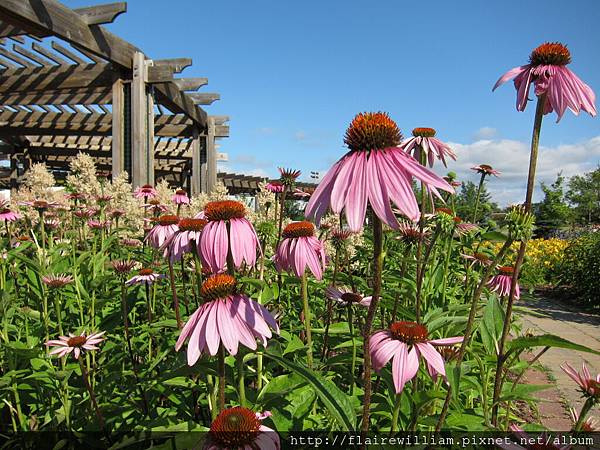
(118,155)
(55,78)
(14,171)
(15,58)
(67,53)
(30,55)
(139,113)
(204,98)
(211,156)
(97,95)
(52,56)
(150,138)
(190,84)
(176,64)
(160,74)
(175,100)
(101,14)
(196,176)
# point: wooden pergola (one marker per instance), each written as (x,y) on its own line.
(67,85)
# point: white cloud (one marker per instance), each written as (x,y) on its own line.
(512,159)
(485,133)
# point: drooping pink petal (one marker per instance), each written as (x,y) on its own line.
(404,366)
(383,352)
(212,333)
(226,327)
(320,200)
(447,341)
(378,191)
(357,192)
(432,357)
(508,75)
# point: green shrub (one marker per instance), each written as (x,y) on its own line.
(581,269)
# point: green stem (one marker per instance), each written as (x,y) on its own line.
(535,142)
(309,354)
(174,291)
(259,370)
(587,406)
(477,197)
(396,412)
(84,374)
(221,374)
(330,307)
(56,302)
(241,379)
(353,365)
(377,270)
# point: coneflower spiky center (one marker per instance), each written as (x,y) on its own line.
(299,229)
(372,131)
(351,297)
(224,210)
(4,210)
(192,224)
(146,272)
(288,176)
(235,427)
(168,219)
(409,332)
(180,192)
(423,132)
(482,257)
(218,286)
(445,211)
(76,341)
(506,270)
(550,54)
(154,202)
(41,204)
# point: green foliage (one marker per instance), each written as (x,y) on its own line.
(552,212)
(465,203)
(580,268)
(584,195)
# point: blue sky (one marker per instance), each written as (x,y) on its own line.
(292,75)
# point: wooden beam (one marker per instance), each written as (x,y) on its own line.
(204,98)
(196,178)
(170,96)
(55,78)
(101,14)
(190,84)
(97,95)
(211,156)
(160,74)
(176,64)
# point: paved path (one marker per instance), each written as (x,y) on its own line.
(554,317)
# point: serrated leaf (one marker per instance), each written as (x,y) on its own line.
(548,340)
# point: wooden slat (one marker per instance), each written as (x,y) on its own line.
(176,64)
(204,98)
(101,14)
(55,78)
(67,53)
(15,58)
(190,84)
(30,55)
(50,55)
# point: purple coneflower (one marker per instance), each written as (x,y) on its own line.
(226,316)
(478,258)
(463,228)
(590,386)
(155,207)
(7,215)
(84,213)
(75,196)
(501,282)
(300,249)
(131,242)
(405,342)
(57,281)
(123,267)
(40,205)
(288,176)
(548,72)
(409,233)
(589,425)
(146,191)
(165,227)
(75,344)
(184,239)
(227,228)
(344,296)
(98,224)
(180,197)
(424,140)
(144,276)
(276,187)
(486,170)
(375,171)
(299,193)
(241,428)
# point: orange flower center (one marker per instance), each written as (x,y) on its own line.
(224,210)
(40,204)
(457,219)
(299,229)
(192,224)
(550,53)
(444,211)
(76,341)
(481,257)
(4,211)
(235,428)
(218,286)
(593,388)
(372,131)
(154,202)
(146,272)
(409,332)
(23,238)
(168,219)
(351,297)
(180,192)
(147,187)
(423,132)
(506,270)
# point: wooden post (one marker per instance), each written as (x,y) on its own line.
(118,120)
(14,169)
(211,156)
(150,140)
(196,187)
(139,121)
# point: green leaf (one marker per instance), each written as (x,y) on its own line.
(336,402)
(492,324)
(548,340)
(294,344)
(494,236)
(521,391)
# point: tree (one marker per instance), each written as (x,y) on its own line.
(584,196)
(465,203)
(552,212)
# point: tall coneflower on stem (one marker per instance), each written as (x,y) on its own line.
(288,180)
(484,170)
(556,89)
(378,173)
